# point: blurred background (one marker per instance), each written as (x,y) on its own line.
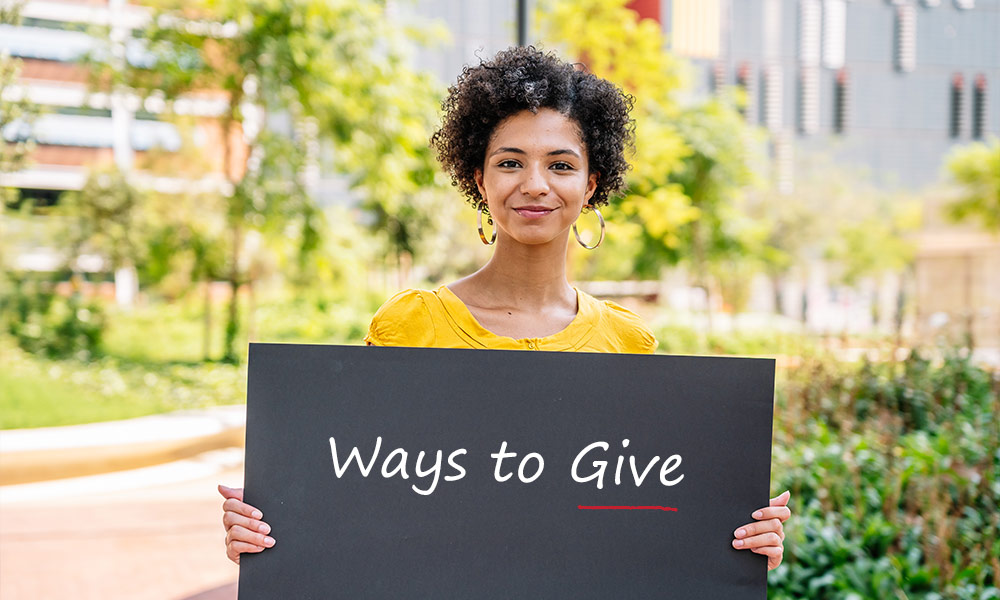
(813,180)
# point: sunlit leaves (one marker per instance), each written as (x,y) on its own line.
(976,169)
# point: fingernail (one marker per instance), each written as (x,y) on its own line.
(264,528)
(268,541)
(741,532)
(257,514)
(758,514)
(738,543)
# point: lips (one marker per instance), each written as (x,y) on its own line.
(533,212)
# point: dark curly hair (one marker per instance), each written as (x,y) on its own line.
(524,78)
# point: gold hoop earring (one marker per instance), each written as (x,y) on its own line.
(599,218)
(482,234)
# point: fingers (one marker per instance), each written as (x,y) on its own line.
(238,534)
(228,492)
(234,549)
(229,519)
(239,539)
(774,555)
(245,532)
(762,540)
(781,499)
(766,536)
(236,506)
(782,513)
(760,527)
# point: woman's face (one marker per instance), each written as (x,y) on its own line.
(536,178)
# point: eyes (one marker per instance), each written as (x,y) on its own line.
(510,163)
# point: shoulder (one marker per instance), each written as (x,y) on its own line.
(403,320)
(623,326)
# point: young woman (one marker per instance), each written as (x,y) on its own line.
(532,142)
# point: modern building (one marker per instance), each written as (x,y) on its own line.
(881,88)
(79,129)
(886,86)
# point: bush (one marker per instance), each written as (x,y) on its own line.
(895,476)
(41,321)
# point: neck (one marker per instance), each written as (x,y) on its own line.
(517,274)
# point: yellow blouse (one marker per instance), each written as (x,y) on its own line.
(439,319)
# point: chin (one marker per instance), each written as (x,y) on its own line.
(537,240)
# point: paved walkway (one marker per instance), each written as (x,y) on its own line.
(153,532)
(28,455)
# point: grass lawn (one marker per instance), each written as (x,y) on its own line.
(152,363)
(27,401)
(38,392)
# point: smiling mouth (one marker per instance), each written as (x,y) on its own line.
(533,212)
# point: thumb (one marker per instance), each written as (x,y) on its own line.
(779,500)
(228,492)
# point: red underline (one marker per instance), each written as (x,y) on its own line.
(666,508)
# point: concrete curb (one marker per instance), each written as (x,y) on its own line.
(33,455)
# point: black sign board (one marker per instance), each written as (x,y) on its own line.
(436,473)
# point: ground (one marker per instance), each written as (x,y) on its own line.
(150,540)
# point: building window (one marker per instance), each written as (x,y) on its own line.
(905,51)
(841,102)
(37,198)
(809,32)
(834,33)
(773,91)
(979,107)
(957,114)
(719,79)
(809,100)
(746,81)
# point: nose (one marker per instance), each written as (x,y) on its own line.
(534,183)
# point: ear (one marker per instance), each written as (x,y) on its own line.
(478,176)
(591,186)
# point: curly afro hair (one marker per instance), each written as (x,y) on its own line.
(524,78)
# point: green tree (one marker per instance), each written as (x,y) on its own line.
(338,64)
(690,161)
(976,169)
(16,111)
(712,176)
(614,44)
(105,216)
(876,242)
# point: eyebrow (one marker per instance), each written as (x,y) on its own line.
(507,149)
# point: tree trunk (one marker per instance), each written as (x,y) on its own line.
(251,309)
(776,282)
(232,324)
(698,261)
(206,334)
(235,217)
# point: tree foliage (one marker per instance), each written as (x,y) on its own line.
(976,169)
(332,71)
(690,160)
(106,217)
(17,113)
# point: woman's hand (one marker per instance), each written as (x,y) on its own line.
(766,535)
(245,532)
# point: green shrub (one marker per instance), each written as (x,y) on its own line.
(40,392)
(42,321)
(895,475)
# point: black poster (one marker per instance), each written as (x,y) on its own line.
(435,473)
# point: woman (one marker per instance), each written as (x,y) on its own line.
(532,142)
